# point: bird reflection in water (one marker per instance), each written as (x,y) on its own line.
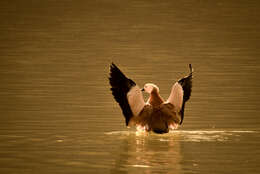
(146,152)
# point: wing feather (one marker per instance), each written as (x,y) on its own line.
(180,93)
(126,93)
(176,97)
(186,84)
(135,100)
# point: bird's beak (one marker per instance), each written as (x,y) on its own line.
(142,89)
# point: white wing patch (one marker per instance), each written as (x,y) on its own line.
(135,100)
(176,96)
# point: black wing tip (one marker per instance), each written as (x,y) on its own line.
(186,83)
(115,72)
(120,85)
(188,77)
(191,69)
(113,66)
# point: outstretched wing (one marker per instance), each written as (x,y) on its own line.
(127,94)
(176,97)
(180,93)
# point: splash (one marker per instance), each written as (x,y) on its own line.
(188,135)
(208,135)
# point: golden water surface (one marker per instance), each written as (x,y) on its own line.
(57,114)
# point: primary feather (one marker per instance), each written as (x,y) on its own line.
(120,86)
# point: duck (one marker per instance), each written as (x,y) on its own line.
(156,114)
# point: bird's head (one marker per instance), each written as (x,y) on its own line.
(150,87)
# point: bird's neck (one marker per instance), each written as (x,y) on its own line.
(155,99)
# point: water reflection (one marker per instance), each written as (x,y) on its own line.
(153,153)
(149,153)
(55,103)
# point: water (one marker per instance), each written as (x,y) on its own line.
(58,115)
